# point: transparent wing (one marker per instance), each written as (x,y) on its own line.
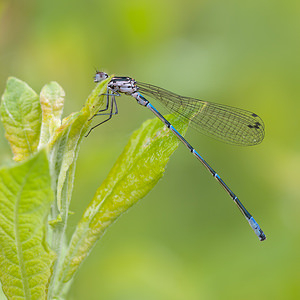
(226,123)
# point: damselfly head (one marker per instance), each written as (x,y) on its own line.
(100,76)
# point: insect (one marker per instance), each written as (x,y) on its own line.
(228,124)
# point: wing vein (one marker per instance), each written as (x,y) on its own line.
(226,123)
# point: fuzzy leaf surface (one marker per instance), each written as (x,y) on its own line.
(135,173)
(20,111)
(25,258)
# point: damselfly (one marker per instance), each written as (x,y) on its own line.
(226,123)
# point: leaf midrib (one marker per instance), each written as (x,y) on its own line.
(18,239)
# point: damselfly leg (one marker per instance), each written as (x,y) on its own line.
(110,101)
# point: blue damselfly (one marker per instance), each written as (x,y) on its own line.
(228,124)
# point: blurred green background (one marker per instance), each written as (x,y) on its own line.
(186,240)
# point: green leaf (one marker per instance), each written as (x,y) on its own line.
(25,258)
(21,116)
(52,103)
(63,151)
(65,142)
(135,173)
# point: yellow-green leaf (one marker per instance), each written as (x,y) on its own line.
(65,142)
(25,258)
(52,103)
(21,116)
(135,173)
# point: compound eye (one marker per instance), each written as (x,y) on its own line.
(104,75)
(100,76)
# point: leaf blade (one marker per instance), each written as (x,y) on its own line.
(52,103)
(135,173)
(25,199)
(21,116)
(63,148)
